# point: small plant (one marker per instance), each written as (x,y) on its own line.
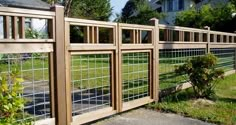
(11,101)
(31,34)
(202,74)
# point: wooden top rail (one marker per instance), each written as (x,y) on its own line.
(26,40)
(75,21)
(135,26)
(8,11)
(222,33)
(161,26)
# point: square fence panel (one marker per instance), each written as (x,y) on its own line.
(90,82)
(33,68)
(169,59)
(226,58)
(135,75)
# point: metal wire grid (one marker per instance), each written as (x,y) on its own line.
(33,69)
(169,59)
(135,75)
(226,58)
(91,82)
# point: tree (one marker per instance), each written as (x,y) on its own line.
(218,18)
(233,2)
(202,74)
(138,12)
(91,9)
(128,10)
(87,9)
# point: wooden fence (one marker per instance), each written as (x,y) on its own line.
(86,70)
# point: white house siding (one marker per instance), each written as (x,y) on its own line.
(40,25)
(170,16)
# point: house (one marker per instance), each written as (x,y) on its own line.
(39,25)
(172,7)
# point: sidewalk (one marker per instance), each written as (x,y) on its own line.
(149,117)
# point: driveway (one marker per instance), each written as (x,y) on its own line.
(149,117)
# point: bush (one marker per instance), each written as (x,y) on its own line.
(11,101)
(202,74)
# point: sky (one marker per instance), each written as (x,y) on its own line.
(117,6)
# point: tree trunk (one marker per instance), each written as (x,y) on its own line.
(67,7)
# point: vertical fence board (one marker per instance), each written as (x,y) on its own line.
(6,27)
(14,25)
(22,27)
(235,59)
(117,62)
(68,70)
(51,83)
(155,22)
(208,40)
(61,107)
(50,29)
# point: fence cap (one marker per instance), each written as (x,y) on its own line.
(57,5)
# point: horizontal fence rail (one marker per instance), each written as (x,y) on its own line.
(76,71)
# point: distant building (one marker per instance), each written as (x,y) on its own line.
(172,7)
(39,25)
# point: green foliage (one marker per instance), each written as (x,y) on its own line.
(34,34)
(11,101)
(218,18)
(91,9)
(202,74)
(138,12)
(31,34)
(233,2)
(50,1)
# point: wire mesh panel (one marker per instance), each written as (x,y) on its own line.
(33,68)
(135,75)
(91,82)
(226,58)
(169,59)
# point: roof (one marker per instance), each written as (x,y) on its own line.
(30,4)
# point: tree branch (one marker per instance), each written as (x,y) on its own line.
(67,7)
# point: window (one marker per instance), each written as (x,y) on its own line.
(181,4)
(170,5)
(175,5)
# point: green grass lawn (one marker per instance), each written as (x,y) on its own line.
(222,112)
(33,68)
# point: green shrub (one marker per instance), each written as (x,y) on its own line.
(202,74)
(11,101)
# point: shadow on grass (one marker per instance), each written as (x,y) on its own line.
(228,100)
(177,96)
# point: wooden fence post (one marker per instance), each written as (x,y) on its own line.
(62,115)
(208,39)
(234,41)
(235,59)
(155,22)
